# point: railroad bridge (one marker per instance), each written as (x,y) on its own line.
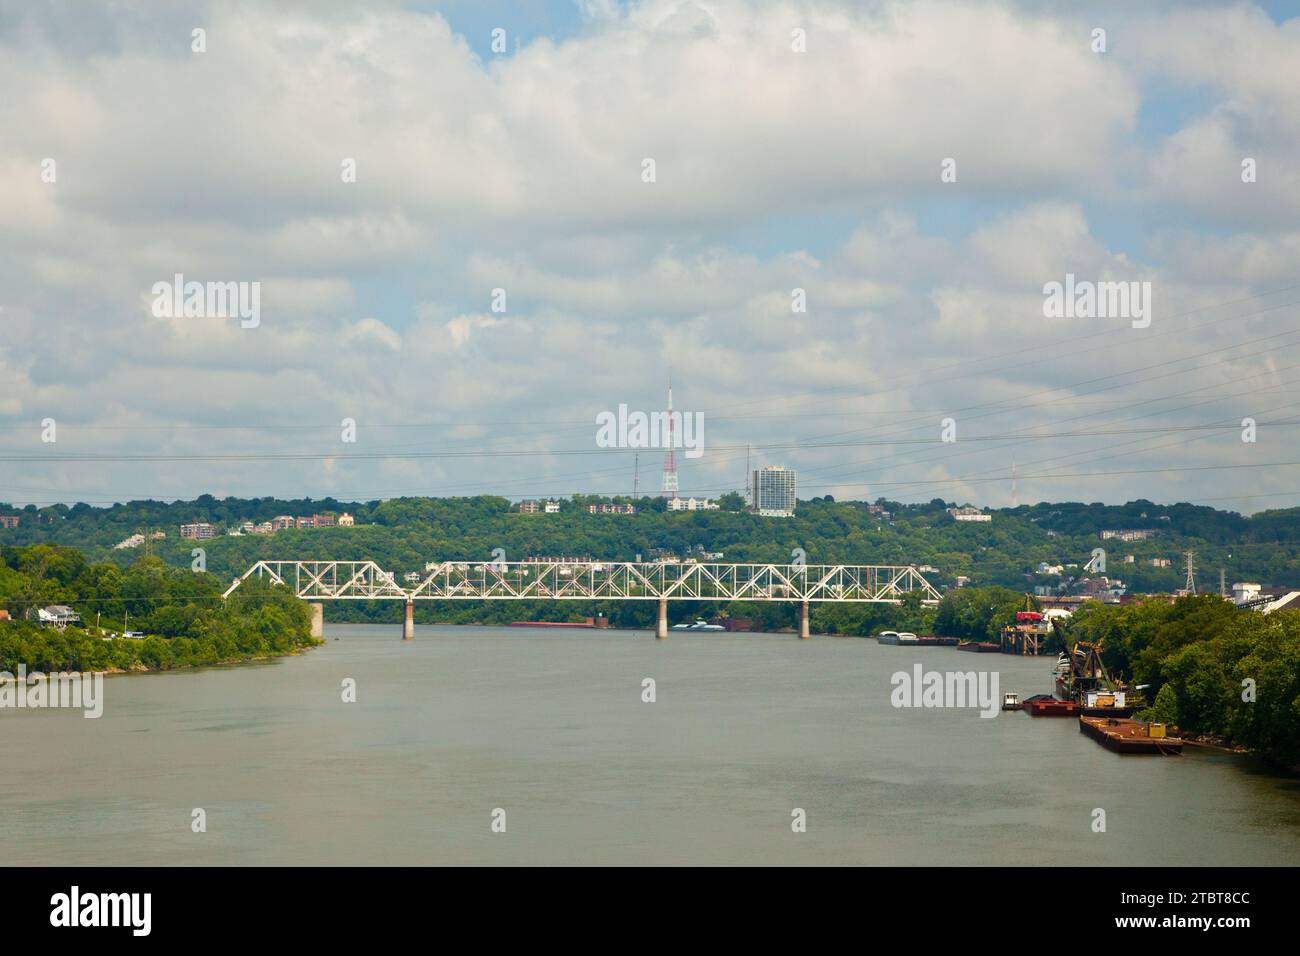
(320,581)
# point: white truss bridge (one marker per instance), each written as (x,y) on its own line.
(317,581)
(597,581)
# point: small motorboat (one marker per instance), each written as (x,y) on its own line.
(1010,701)
(698,626)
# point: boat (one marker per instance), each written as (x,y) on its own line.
(979,647)
(887,637)
(1100,703)
(1125,736)
(1045,705)
(1081,676)
(1010,701)
(934,640)
(698,625)
(907,637)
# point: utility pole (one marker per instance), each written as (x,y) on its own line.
(1190,585)
(1223,582)
(636,473)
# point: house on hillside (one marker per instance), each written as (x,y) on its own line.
(57,615)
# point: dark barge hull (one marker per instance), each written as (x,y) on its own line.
(1049,707)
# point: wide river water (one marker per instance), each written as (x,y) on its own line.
(550,727)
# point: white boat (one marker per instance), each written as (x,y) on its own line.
(698,626)
(887,637)
(906,637)
(1010,701)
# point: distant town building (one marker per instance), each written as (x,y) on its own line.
(1128,535)
(692,504)
(528,507)
(263,527)
(611,509)
(772,492)
(1160,562)
(878,511)
(282,522)
(135,540)
(551,507)
(346,520)
(198,531)
(9,521)
(969,514)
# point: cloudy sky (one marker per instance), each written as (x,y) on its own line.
(919,170)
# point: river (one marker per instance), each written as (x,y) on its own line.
(550,727)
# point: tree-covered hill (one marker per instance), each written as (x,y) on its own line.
(403,534)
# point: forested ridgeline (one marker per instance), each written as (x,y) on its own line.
(404,534)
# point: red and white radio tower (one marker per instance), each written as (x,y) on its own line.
(670,456)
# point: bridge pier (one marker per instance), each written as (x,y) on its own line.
(408,625)
(317,619)
(661,629)
(803,621)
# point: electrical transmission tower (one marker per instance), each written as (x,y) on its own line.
(1190,586)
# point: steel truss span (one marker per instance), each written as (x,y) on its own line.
(597,581)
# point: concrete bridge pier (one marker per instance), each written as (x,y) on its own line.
(317,619)
(408,625)
(661,630)
(803,622)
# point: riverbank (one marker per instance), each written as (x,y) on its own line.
(35,674)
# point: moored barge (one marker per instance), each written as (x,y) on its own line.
(1045,705)
(979,647)
(1125,736)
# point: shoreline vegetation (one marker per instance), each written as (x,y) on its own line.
(181,613)
(1225,676)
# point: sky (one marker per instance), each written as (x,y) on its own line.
(463,257)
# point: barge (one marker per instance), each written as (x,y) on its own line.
(896,637)
(1045,705)
(980,647)
(1124,736)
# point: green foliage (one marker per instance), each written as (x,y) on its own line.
(1165,709)
(182,613)
(404,533)
(1202,653)
(979,614)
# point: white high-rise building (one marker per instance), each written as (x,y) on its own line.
(772,492)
